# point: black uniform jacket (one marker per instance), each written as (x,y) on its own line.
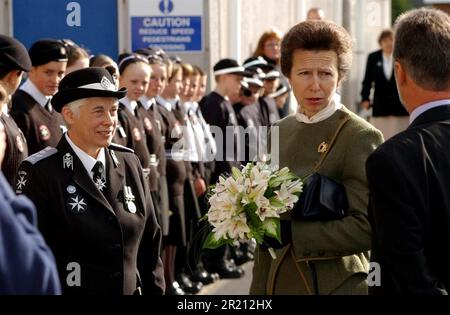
(16,148)
(116,250)
(409,209)
(40,127)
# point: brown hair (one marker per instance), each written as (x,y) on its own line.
(101,61)
(76,53)
(317,36)
(385,34)
(272,33)
(422,41)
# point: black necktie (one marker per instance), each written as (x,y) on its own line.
(99,176)
(48,106)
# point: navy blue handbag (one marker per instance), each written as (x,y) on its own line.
(322,199)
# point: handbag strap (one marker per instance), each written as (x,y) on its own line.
(344,120)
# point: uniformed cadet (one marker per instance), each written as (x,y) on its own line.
(153,124)
(134,75)
(218,112)
(94,206)
(31,104)
(268,109)
(248,116)
(176,173)
(14,60)
(194,268)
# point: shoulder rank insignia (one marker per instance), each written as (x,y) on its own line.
(48,151)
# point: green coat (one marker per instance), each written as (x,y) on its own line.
(339,249)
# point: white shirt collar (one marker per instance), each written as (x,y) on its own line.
(425,107)
(31,89)
(166,104)
(325,113)
(388,66)
(146,102)
(129,104)
(87,160)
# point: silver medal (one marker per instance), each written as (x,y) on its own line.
(71,189)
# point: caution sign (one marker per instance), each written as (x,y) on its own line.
(173,25)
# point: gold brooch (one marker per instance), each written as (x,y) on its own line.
(323,147)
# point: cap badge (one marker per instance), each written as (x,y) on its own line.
(105,83)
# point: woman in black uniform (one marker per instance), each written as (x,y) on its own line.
(14,60)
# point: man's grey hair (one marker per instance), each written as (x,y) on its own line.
(422,46)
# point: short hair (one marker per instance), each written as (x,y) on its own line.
(385,34)
(272,33)
(317,36)
(74,108)
(422,41)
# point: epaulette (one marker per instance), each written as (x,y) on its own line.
(121,148)
(38,156)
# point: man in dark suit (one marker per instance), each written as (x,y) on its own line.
(409,175)
(93,201)
(388,114)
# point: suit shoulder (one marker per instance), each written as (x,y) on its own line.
(120,148)
(41,155)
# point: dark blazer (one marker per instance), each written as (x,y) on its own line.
(409,209)
(27,265)
(116,250)
(386,101)
(16,148)
(41,128)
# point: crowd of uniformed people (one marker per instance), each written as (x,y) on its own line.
(127,212)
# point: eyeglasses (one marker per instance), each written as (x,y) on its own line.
(272,45)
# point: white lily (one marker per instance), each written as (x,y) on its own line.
(234,228)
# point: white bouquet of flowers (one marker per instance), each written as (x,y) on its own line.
(248,204)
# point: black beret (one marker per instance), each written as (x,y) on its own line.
(228,66)
(84,83)
(47,50)
(13,54)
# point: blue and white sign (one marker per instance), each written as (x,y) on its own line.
(90,23)
(173,25)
